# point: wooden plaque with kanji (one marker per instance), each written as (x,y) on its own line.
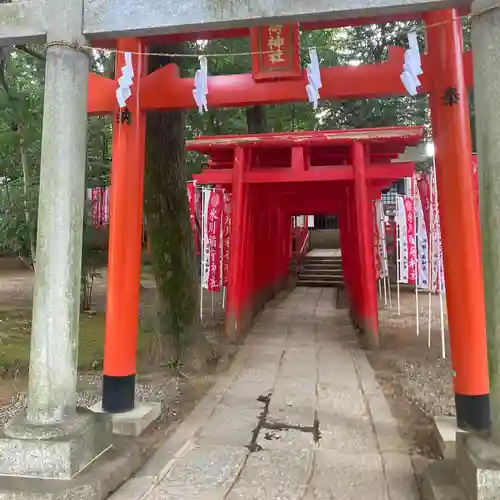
(275,52)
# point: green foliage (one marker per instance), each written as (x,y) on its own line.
(21,101)
(15,227)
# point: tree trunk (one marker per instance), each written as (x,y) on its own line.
(256,119)
(27,190)
(179,336)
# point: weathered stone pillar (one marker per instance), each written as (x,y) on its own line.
(486,48)
(54,339)
(53,440)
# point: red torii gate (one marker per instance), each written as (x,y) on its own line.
(334,172)
(339,82)
(446,69)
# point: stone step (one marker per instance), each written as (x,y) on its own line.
(324,260)
(318,284)
(330,267)
(338,273)
(320,277)
(319,265)
(441,482)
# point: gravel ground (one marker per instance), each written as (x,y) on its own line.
(424,376)
(157,387)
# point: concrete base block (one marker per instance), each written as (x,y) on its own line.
(440,482)
(134,422)
(478,467)
(445,432)
(96,482)
(53,452)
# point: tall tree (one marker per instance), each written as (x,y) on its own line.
(21,81)
(256,119)
(179,336)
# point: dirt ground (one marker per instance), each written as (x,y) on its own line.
(16,286)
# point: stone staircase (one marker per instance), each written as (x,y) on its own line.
(321,272)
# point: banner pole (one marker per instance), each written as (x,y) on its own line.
(441,312)
(202,250)
(429,260)
(385,262)
(416,251)
(398,256)
(440,274)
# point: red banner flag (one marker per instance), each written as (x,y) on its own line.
(425,198)
(96,199)
(214,224)
(376,238)
(410,235)
(226,239)
(192,199)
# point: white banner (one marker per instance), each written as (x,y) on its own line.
(402,240)
(437,271)
(382,245)
(205,247)
(422,243)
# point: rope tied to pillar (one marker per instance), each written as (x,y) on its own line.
(84,49)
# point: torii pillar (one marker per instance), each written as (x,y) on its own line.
(125,243)
(458,215)
(477,454)
(236,262)
(368,306)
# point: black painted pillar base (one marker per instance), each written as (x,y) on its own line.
(473,412)
(118,393)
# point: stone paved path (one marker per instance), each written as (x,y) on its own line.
(299,416)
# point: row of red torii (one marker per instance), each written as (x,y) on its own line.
(328,172)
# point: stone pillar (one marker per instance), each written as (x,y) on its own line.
(56,302)
(458,213)
(54,440)
(486,47)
